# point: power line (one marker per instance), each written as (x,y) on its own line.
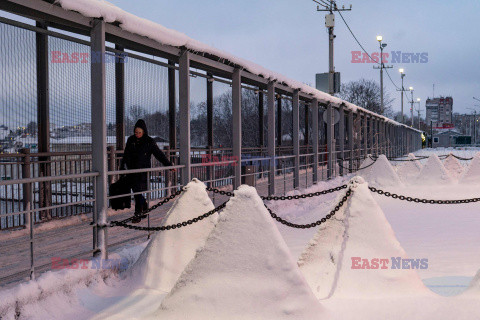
(348,27)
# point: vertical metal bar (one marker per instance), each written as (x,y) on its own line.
(99,132)
(271,136)
(296,142)
(261,132)
(43,117)
(341,136)
(184,100)
(120,98)
(172,125)
(279,120)
(27,204)
(371,133)
(365,135)
(237,125)
(210,109)
(111,162)
(350,140)
(307,125)
(314,107)
(330,143)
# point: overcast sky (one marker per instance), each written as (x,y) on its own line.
(289,37)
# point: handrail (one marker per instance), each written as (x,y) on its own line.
(53,178)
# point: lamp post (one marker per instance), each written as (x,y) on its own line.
(382,66)
(402,74)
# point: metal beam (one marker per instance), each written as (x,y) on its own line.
(314,106)
(172,109)
(341,136)
(296,142)
(43,118)
(371,133)
(330,141)
(271,136)
(120,100)
(99,136)
(365,134)
(237,125)
(279,120)
(184,115)
(209,110)
(261,131)
(350,139)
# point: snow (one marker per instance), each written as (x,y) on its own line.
(366,164)
(361,231)
(143,27)
(54,292)
(244,271)
(247,270)
(161,263)
(409,170)
(382,174)
(453,166)
(433,173)
(472,174)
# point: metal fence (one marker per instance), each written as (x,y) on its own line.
(65,122)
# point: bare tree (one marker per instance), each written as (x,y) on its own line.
(366,94)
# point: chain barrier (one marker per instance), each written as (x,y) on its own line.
(313,224)
(418,200)
(169,227)
(147,212)
(124,223)
(353,170)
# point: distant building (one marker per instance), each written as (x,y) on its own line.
(439,112)
(450,138)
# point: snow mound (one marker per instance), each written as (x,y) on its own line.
(382,173)
(417,163)
(357,232)
(433,173)
(245,268)
(408,171)
(453,166)
(474,287)
(162,262)
(472,173)
(367,165)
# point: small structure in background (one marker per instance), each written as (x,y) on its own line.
(450,138)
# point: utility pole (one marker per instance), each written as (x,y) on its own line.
(330,6)
(381,67)
(402,89)
(418,110)
(411,108)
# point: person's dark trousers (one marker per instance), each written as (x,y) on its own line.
(139,184)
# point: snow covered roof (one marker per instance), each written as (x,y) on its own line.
(143,27)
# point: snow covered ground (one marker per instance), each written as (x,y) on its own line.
(247,269)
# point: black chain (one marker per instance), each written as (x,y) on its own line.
(418,200)
(169,227)
(147,212)
(460,158)
(303,196)
(316,223)
(225,193)
(124,223)
(352,170)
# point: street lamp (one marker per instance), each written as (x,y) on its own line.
(382,66)
(402,73)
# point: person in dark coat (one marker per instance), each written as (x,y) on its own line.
(137,155)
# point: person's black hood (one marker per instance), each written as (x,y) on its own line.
(141,124)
